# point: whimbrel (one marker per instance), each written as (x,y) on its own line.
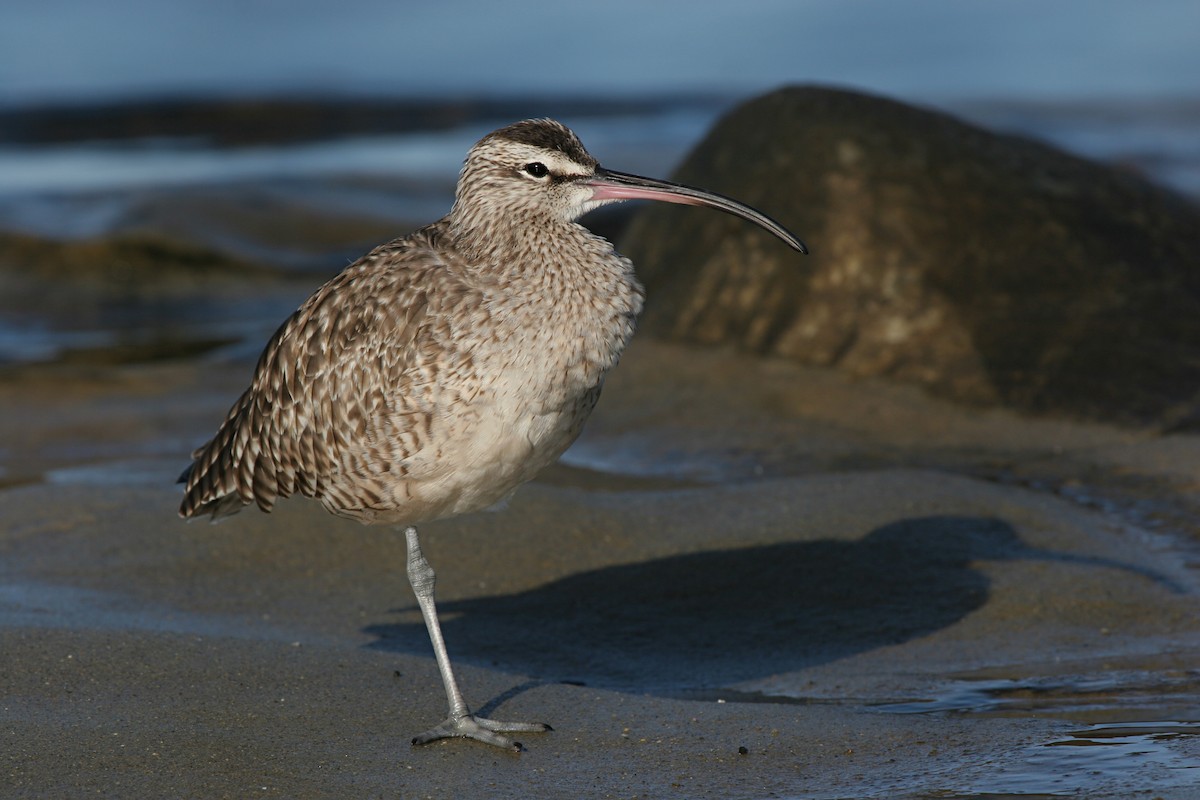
(442,370)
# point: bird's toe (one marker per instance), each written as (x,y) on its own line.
(481,729)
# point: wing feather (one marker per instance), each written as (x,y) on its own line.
(331,366)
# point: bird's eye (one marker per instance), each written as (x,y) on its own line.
(537,169)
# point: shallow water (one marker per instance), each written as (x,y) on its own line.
(1099,757)
(1129,720)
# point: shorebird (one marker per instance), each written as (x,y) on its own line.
(443,369)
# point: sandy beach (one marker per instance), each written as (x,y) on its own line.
(748,579)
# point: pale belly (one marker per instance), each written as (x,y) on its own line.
(509,451)
(475,461)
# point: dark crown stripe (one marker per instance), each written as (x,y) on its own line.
(548,135)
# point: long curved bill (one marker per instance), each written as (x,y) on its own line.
(610,185)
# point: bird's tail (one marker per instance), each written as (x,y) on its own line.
(199,501)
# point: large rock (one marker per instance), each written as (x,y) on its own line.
(990,269)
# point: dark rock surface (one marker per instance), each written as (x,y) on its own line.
(989,269)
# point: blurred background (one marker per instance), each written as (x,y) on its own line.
(150,150)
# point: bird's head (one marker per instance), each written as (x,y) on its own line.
(538,171)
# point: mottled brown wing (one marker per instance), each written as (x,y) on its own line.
(322,377)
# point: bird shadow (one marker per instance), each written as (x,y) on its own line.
(713,618)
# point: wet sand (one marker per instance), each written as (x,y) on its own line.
(748,579)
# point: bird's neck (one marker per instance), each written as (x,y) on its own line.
(515,246)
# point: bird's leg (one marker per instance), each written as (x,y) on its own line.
(461,722)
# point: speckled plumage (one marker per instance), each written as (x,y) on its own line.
(437,373)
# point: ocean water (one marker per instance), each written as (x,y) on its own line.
(919,49)
(1110,79)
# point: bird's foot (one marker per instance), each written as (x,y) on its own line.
(481,729)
